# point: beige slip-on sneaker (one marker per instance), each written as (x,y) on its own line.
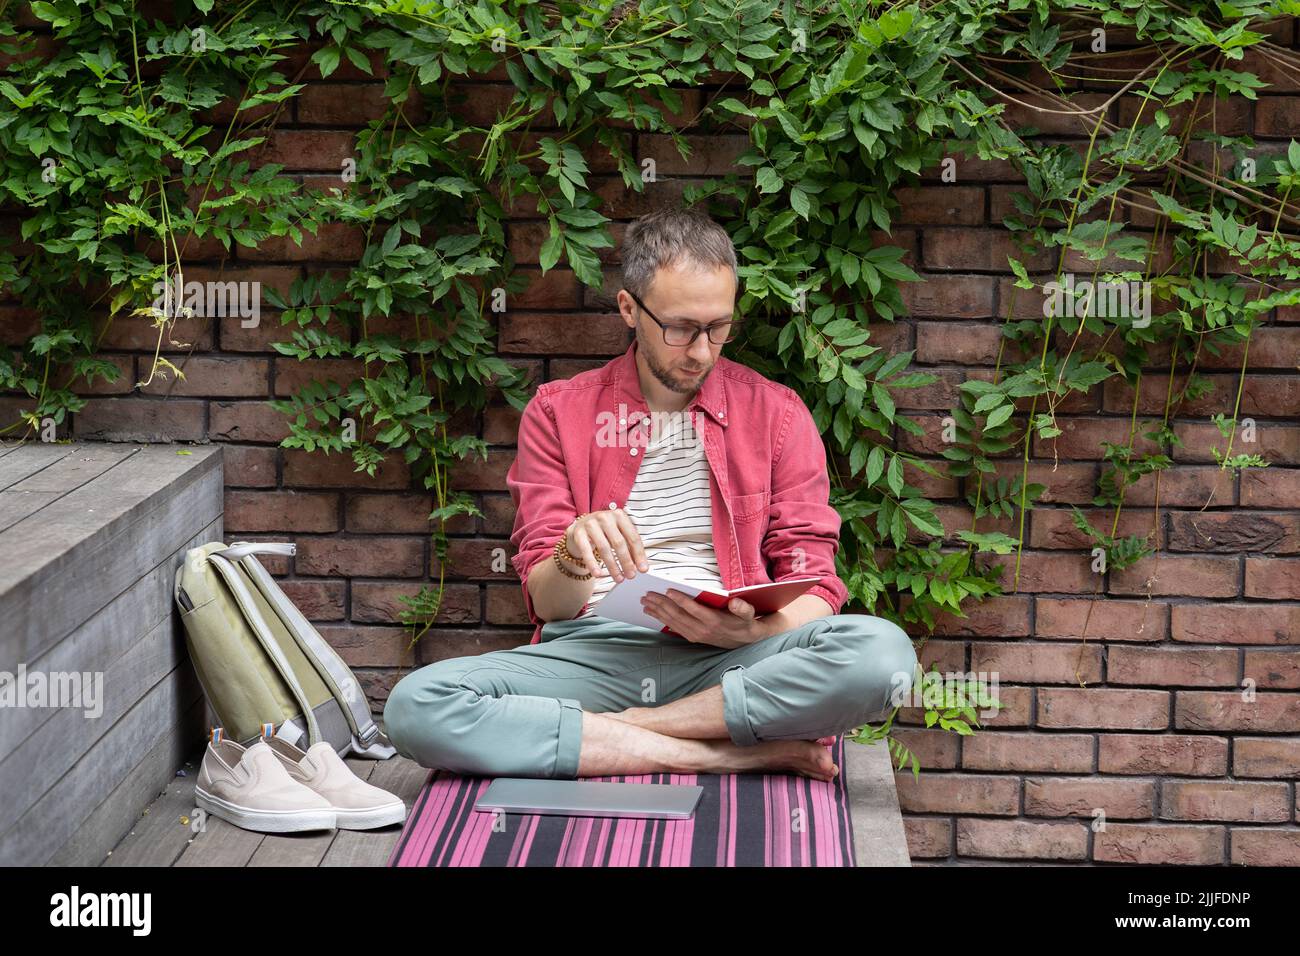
(250,788)
(357,805)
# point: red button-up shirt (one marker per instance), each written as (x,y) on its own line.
(580,449)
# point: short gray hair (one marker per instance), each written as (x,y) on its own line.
(670,236)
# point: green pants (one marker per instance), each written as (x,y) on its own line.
(518,712)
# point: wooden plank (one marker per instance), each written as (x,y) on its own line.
(167,826)
(293,849)
(401,777)
(49,823)
(106,637)
(102,829)
(54,574)
(17,505)
(85,463)
(221,844)
(29,459)
(40,760)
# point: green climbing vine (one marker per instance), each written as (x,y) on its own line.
(129,139)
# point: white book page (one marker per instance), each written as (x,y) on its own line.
(623,601)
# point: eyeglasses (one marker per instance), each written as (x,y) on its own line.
(678,336)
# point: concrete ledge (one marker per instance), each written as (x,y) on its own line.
(878,835)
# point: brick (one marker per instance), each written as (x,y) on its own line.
(574,333)
(302,149)
(1033,663)
(1083,437)
(1164,754)
(1183,485)
(1265,846)
(935,749)
(1055,528)
(248,467)
(505,606)
(1103,619)
(1268,713)
(1266,757)
(370,646)
(1277,116)
(371,557)
(136,333)
(711,155)
(331,242)
(475,474)
(928,837)
(246,422)
(291,375)
(1159,844)
(958,793)
(1171,667)
(1044,571)
(1223,800)
(1064,482)
(281,511)
(1236,623)
(352,104)
(140,420)
(949,296)
(1050,753)
(1275,443)
(1274,578)
(1103,708)
(1001,616)
(1084,796)
(215,377)
(1170,574)
(318,600)
(976,250)
(942,205)
(1234,531)
(390,513)
(1021,840)
(1270,487)
(1274,669)
(318,470)
(379,602)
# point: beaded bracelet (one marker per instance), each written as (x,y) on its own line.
(562,551)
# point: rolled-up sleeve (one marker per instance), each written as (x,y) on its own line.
(539,486)
(801,522)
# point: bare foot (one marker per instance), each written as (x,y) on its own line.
(806,757)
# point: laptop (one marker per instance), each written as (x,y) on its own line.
(591,798)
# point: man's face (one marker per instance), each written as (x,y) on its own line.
(683,296)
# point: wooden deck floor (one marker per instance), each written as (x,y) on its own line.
(163,836)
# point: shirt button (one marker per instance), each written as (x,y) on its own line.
(633,451)
(613,505)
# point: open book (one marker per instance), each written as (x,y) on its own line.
(623,601)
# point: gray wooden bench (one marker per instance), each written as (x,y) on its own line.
(90,538)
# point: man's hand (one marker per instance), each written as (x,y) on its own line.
(700,624)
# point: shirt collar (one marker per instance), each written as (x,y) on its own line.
(710,399)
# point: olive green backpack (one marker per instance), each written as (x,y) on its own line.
(261,662)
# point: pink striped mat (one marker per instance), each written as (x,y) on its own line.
(741,820)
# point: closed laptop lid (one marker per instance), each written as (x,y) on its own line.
(591,798)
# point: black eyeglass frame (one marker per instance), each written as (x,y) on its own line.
(663,327)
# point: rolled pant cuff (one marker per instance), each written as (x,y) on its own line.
(735,709)
(569,746)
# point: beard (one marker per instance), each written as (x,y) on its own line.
(673,379)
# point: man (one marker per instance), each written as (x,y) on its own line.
(727,485)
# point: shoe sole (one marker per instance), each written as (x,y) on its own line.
(372,818)
(265,821)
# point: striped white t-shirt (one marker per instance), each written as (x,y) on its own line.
(670,506)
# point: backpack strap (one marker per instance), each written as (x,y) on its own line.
(245,600)
(368,740)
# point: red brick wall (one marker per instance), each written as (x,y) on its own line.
(1160,737)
